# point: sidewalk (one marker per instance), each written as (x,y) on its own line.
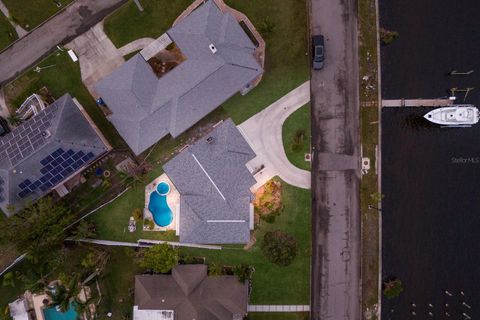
(277,308)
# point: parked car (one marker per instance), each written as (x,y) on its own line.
(4,128)
(318,48)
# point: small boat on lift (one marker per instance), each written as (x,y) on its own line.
(461,115)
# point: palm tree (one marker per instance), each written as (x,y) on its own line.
(62,295)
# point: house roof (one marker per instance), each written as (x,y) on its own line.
(191,294)
(214,186)
(146,109)
(44,151)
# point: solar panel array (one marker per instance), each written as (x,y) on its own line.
(55,168)
(28,137)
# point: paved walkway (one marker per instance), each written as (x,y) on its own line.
(277,308)
(3,105)
(143,243)
(74,20)
(97,55)
(20,31)
(136,45)
(263,132)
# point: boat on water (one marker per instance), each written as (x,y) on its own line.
(454,116)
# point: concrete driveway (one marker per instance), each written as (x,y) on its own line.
(97,55)
(263,132)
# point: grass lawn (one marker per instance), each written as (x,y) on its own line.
(157,17)
(295,127)
(369,139)
(7,32)
(60,75)
(117,283)
(278,316)
(273,284)
(112,220)
(286,65)
(32,13)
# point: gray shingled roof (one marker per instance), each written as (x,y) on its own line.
(191,294)
(214,184)
(27,168)
(146,109)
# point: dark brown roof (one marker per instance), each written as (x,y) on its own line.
(192,294)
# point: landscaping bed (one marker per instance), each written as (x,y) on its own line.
(296,136)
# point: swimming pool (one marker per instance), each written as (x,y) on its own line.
(53,314)
(158,206)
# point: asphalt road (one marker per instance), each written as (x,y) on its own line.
(73,21)
(335,282)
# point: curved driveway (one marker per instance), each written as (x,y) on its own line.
(263,132)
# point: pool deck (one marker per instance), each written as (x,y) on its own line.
(173,201)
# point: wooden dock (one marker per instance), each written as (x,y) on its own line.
(417,103)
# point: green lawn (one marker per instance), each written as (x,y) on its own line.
(286,62)
(157,17)
(7,32)
(112,220)
(117,284)
(297,123)
(60,75)
(32,13)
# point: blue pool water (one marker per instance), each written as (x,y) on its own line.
(162,214)
(52,314)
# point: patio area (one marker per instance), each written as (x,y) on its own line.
(172,200)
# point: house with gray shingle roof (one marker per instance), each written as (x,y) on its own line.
(219,63)
(45,151)
(214,185)
(188,293)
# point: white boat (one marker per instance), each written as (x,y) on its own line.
(454,116)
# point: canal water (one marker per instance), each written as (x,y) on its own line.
(431,216)
(435,37)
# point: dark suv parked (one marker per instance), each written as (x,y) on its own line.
(318,48)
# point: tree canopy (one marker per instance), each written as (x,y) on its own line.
(160,258)
(279,247)
(38,230)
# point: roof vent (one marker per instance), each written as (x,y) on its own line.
(46,134)
(210,139)
(212,48)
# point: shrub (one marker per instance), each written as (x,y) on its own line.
(387,36)
(392,288)
(279,247)
(137,214)
(243,272)
(215,269)
(149,224)
(160,258)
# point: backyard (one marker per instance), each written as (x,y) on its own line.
(296,136)
(30,14)
(282,24)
